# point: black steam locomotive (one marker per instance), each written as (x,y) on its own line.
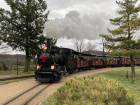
(52,63)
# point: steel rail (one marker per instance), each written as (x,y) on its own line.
(20,95)
(25,103)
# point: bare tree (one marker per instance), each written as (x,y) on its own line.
(103,44)
(79,45)
(87,48)
(90,48)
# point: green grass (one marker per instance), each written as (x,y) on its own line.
(120,76)
(20,68)
(13,75)
(91,90)
(24,74)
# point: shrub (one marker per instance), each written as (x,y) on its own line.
(91,91)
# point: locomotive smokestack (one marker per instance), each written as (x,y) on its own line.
(48,43)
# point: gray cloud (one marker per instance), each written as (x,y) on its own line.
(58,8)
(62,4)
(80,19)
(89,26)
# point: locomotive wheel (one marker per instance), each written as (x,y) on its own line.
(54,79)
(70,70)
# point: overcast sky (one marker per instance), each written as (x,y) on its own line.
(79,19)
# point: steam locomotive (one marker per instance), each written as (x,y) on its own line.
(54,62)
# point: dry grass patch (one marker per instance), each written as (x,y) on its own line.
(91,91)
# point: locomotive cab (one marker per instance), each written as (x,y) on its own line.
(68,59)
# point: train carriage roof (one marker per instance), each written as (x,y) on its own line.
(67,49)
(83,54)
(78,53)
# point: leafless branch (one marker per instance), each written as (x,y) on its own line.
(79,45)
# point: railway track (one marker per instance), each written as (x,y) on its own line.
(16,100)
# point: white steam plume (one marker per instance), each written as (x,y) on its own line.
(74,26)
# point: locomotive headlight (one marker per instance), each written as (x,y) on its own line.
(45,47)
(52,67)
(38,67)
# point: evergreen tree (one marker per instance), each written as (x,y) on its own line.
(121,40)
(22,26)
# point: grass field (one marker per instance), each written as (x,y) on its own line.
(13,74)
(20,72)
(119,76)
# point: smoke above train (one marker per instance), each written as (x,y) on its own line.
(78,26)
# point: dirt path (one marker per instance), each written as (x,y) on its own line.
(10,90)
